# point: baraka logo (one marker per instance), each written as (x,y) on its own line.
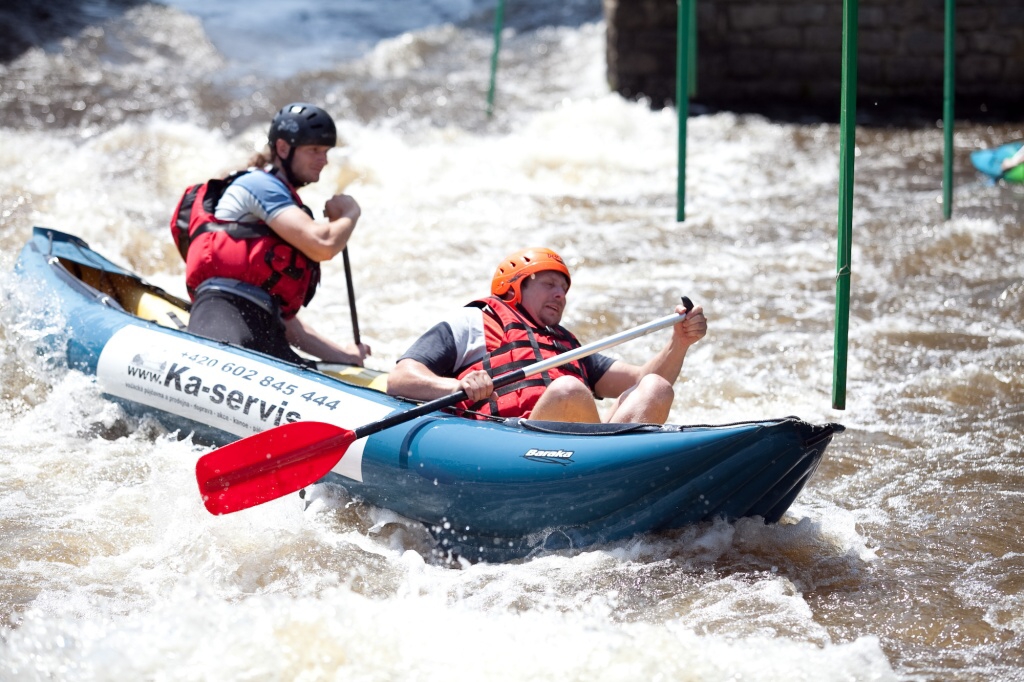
(177,379)
(533,453)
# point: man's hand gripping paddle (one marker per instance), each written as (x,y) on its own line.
(287,458)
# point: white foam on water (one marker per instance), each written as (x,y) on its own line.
(113,569)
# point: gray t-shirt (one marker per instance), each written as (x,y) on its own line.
(254,197)
(458,341)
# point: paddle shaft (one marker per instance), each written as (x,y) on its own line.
(351,294)
(272,463)
(520,374)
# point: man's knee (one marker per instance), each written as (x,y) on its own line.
(648,402)
(657,388)
(568,388)
(566,399)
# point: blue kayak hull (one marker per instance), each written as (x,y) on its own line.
(489,490)
(990,162)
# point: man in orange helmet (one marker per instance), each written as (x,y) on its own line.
(518,325)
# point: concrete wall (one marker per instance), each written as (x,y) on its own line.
(787,54)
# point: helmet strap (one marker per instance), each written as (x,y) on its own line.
(286,166)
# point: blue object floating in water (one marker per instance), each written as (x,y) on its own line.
(989,162)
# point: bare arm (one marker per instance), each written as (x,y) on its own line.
(667,363)
(412,379)
(305,338)
(319,241)
(1015,160)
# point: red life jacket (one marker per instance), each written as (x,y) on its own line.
(247,251)
(514,341)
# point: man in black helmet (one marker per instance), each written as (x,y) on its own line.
(253,250)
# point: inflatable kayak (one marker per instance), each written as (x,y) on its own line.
(490,490)
(989,162)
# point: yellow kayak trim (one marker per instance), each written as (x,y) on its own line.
(149,302)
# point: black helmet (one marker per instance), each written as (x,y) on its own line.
(300,124)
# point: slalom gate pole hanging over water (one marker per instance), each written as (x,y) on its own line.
(499,20)
(949,86)
(683,45)
(692,51)
(847,142)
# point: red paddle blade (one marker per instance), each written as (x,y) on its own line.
(270,464)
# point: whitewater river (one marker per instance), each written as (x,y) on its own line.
(902,559)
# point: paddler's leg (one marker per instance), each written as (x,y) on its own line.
(224,317)
(566,399)
(649,402)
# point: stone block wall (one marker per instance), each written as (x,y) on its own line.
(778,54)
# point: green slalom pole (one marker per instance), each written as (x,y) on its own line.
(682,100)
(499,20)
(693,49)
(847,140)
(947,110)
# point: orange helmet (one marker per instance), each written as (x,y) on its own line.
(515,268)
